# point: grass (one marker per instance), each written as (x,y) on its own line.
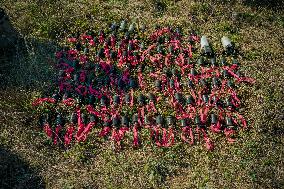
(255,161)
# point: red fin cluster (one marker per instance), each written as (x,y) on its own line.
(117,82)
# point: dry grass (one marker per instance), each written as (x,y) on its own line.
(255,161)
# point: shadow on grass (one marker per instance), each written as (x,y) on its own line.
(24,62)
(271,4)
(15,173)
(27,65)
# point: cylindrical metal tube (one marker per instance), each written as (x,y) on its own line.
(226,42)
(197,120)
(115,121)
(183,122)
(170,120)
(229,121)
(189,100)
(124,120)
(116,99)
(73,118)
(141,99)
(92,118)
(213,118)
(159,120)
(204,42)
(135,118)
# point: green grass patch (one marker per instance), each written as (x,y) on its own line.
(255,161)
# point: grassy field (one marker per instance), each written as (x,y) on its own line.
(256,160)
